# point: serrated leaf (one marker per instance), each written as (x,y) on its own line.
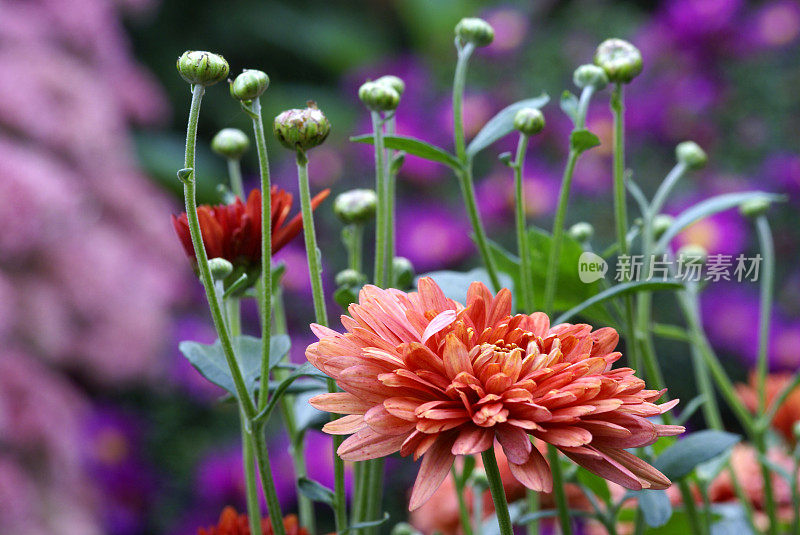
(655,507)
(414,146)
(569,105)
(315,491)
(210,361)
(681,458)
(502,124)
(583,140)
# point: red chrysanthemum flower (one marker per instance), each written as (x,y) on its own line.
(233,231)
(232,523)
(424,375)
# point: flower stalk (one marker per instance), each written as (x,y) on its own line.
(498,493)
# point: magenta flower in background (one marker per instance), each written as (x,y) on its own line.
(775,24)
(730,317)
(431,235)
(510,29)
(497,197)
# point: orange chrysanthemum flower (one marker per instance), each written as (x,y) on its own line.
(232,523)
(425,375)
(233,231)
(788,414)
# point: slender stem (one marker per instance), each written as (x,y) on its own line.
(267,481)
(235,176)
(315,274)
(355,246)
(532,497)
(251,489)
(665,188)
(620,210)
(477,510)
(691,510)
(375,491)
(498,493)
(465,174)
(189,193)
(463,510)
(391,204)
(559,492)
(522,235)
(382,216)
(707,513)
(266,247)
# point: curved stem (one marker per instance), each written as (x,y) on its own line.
(468,191)
(459,83)
(665,188)
(235,176)
(498,493)
(522,235)
(559,491)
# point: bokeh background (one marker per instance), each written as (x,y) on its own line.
(104,428)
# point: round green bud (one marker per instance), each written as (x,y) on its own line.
(590,76)
(661,223)
(249,85)
(378,97)
(202,68)
(529,121)
(690,154)
(692,252)
(754,207)
(475,31)
(581,232)
(403,272)
(620,59)
(479,479)
(350,278)
(355,206)
(404,528)
(302,129)
(230,143)
(220,268)
(395,82)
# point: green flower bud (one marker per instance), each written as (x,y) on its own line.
(690,154)
(403,272)
(394,82)
(590,76)
(404,528)
(620,59)
(661,223)
(355,206)
(202,68)
(475,31)
(350,278)
(479,479)
(755,207)
(581,232)
(378,97)
(692,253)
(302,129)
(230,143)
(249,85)
(529,121)
(220,268)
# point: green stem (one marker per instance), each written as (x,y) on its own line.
(251,489)
(465,174)
(522,235)
(691,510)
(391,202)
(235,176)
(498,493)
(532,497)
(321,314)
(559,492)
(355,246)
(374,491)
(266,247)
(267,481)
(463,510)
(382,262)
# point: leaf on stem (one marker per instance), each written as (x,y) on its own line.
(616,291)
(315,491)
(681,458)
(414,146)
(583,140)
(569,105)
(655,507)
(502,124)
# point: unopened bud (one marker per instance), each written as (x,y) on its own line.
(230,143)
(620,59)
(403,528)
(690,154)
(581,232)
(220,268)
(249,85)
(202,68)
(395,82)
(529,121)
(355,206)
(303,128)
(692,253)
(590,76)
(350,278)
(755,207)
(475,31)
(378,97)
(403,272)
(661,223)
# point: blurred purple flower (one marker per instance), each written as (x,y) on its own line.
(775,24)
(497,197)
(510,29)
(730,316)
(783,170)
(431,235)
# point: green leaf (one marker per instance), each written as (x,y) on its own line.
(615,291)
(690,409)
(680,459)
(366,524)
(345,296)
(210,360)
(306,416)
(284,387)
(709,207)
(315,491)
(414,146)
(596,484)
(583,140)
(671,332)
(455,284)
(655,507)
(569,105)
(502,124)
